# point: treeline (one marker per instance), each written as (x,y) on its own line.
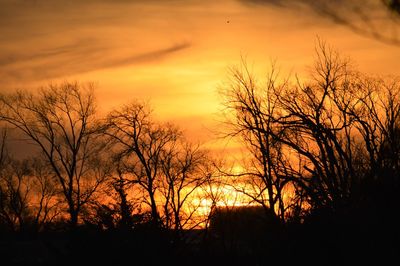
(323,160)
(97,171)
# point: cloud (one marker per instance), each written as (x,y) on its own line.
(43,39)
(146,57)
(77,58)
(338,10)
(15,58)
(278,3)
(369,18)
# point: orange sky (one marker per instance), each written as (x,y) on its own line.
(174,53)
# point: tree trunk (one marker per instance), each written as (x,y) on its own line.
(154,213)
(73,222)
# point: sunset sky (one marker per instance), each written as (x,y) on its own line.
(174,53)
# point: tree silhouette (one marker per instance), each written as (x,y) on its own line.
(313,135)
(28,195)
(254,109)
(156,157)
(60,120)
(185,171)
(140,143)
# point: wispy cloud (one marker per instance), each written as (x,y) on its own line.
(80,57)
(145,57)
(370,18)
(46,39)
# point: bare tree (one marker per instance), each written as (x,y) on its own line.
(60,120)
(314,134)
(333,118)
(184,170)
(28,196)
(251,111)
(140,145)
(14,195)
(117,208)
(47,199)
(313,126)
(156,158)
(377,117)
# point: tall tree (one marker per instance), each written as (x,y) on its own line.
(140,143)
(158,159)
(250,113)
(323,136)
(61,121)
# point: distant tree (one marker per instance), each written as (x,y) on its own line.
(140,143)
(209,195)
(184,168)
(28,195)
(61,121)
(118,208)
(14,192)
(46,200)
(155,158)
